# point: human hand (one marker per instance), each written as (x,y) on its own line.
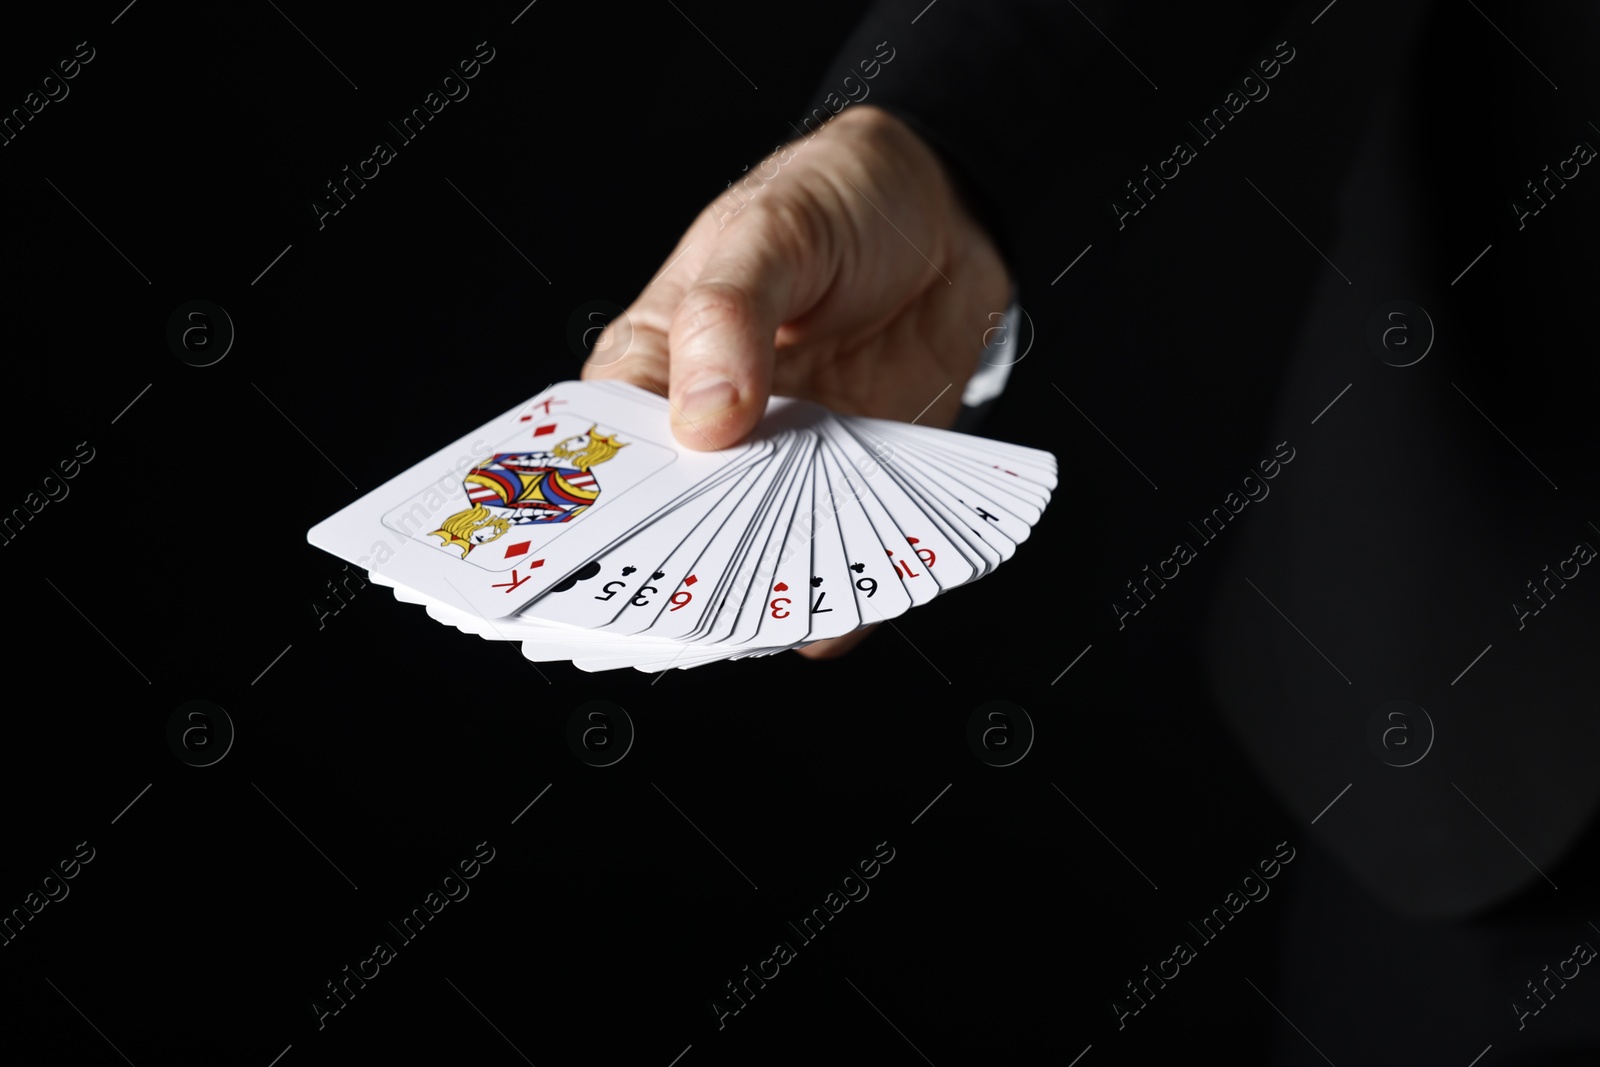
(855,278)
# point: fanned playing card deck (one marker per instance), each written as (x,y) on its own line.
(577,525)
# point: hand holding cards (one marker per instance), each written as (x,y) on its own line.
(575,525)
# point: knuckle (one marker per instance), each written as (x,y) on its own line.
(711,306)
(791,225)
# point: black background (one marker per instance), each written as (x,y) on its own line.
(374,748)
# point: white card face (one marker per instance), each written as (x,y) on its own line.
(534,524)
(833,604)
(782,606)
(627,573)
(711,569)
(991,452)
(683,582)
(968,499)
(876,585)
(918,538)
(553,473)
(1025,499)
(578,526)
(757,557)
(955,518)
(1024,478)
(935,510)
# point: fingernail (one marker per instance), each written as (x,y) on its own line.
(708,399)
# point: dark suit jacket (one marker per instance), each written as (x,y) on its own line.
(1254,187)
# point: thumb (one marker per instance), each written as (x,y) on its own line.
(721,341)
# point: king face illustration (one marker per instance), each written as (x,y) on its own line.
(528,489)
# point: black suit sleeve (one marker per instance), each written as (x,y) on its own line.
(1027,100)
(1403,155)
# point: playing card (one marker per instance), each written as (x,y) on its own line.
(504,532)
(577,525)
(833,606)
(776,606)
(911,536)
(878,586)
(715,568)
(988,451)
(1022,499)
(680,567)
(958,520)
(755,561)
(627,572)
